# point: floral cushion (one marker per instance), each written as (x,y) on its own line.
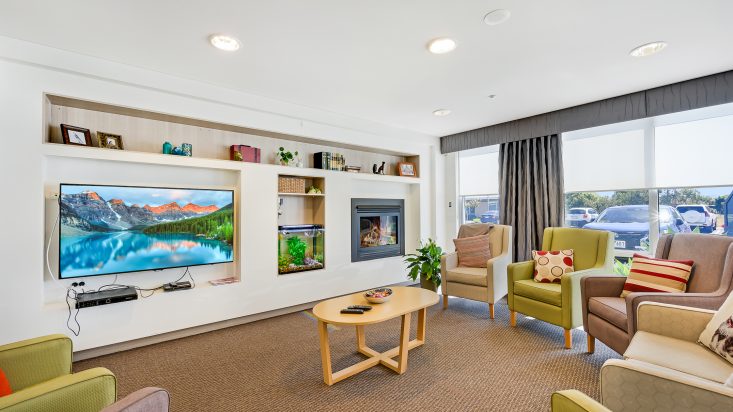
(718,334)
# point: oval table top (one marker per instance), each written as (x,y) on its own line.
(404,300)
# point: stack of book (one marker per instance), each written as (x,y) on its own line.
(329,161)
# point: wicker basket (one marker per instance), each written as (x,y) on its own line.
(291,184)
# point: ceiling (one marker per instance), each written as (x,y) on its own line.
(367,59)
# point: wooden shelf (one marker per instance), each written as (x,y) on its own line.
(302,194)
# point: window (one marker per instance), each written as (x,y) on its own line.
(478,178)
(668,174)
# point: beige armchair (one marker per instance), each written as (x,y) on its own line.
(664,368)
(481,284)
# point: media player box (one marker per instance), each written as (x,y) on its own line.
(105,297)
(249,153)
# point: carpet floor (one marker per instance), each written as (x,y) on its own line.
(468,363)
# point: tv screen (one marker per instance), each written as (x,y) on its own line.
(117,229)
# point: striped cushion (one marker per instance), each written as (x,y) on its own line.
(473,251)
(657,275)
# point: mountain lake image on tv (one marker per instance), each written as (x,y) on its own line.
(117,229)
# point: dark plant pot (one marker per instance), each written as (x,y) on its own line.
(428,284)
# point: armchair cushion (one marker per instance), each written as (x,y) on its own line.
(473,251)
(549,293)
(718,334)
(680,355)
(657,275)
(468,276)
(550,266)
(611,309)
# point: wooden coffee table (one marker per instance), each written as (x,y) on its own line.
(405,300)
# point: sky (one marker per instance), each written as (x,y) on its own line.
(155,196)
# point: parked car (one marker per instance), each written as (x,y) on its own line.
(490,217)
(580,216)
(699,216)
(630,224)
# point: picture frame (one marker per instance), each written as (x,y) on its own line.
(109,141)
(406,169)
(78,136)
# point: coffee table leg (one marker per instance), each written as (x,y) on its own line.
(325,353)
(404,343)
(360,338)
(422,317)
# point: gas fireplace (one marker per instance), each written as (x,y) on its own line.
(377,228)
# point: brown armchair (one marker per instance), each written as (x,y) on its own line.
(612,319)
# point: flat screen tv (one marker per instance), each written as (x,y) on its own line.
(117,229)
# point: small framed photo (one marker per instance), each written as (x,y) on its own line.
(406,169)
(109,140)
(76,135)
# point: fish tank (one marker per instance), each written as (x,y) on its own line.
(299,248)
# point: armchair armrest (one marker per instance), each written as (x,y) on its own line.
(142,400)
(496,275)
(709,301)
(447,262)
(572,315)
(575,401)
(86,391)
(599,286)
(514,272)
(30,362)
(679,322)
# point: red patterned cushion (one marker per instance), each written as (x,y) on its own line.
(550,266)
(657,275)
(4,385)
(473,251)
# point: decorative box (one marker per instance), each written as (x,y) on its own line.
(247,153)
(291,184)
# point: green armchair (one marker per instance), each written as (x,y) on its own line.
(39,372)
(559,304)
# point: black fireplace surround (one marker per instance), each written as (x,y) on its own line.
(377,228)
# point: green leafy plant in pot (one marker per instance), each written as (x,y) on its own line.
(425,264)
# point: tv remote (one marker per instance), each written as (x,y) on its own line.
(362,307)
(352,311)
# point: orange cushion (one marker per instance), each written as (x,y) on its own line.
(4,385)
(473,251)
(657,275)
(549,266)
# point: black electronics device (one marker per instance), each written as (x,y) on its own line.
(173,286)
(353,311)
(105,297)
(361,307)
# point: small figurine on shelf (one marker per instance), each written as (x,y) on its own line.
(167,148)
(285,157)
(238,156)
(177,151)
(314,191)
(378,171)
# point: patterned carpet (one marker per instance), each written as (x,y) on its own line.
(468,363)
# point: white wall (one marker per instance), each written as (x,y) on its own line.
(32,303)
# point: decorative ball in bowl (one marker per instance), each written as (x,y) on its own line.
(379,295)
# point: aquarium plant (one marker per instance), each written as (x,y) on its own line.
(296,249)
(425,264)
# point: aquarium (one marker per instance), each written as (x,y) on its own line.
(299,248)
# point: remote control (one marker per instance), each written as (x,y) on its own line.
(353,311)
(362,307)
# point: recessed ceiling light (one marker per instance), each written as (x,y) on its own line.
(441,45)
(648,49)
(224,42)
(441,112)
(495,17)
(491,96)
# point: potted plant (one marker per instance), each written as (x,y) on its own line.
(285,157)
(425,263)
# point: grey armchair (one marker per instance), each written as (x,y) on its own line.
(487,284)
(143,400)
(611,319)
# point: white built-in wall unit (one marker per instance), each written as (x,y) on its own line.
(42,87)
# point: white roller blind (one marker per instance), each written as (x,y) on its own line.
(479,172)
(696,153)
(605,162)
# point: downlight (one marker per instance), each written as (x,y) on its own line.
(648,49)
(224,42)
(442,45)
(441,112)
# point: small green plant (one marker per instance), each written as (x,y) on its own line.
(296,249)
(283,262)
(319,257)
(425,263)
(622,268)
(285,156)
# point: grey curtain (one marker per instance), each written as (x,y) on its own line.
(531,190)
